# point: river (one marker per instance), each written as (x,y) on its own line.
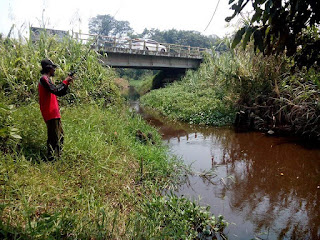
(265,187)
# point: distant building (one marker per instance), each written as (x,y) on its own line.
(35,33)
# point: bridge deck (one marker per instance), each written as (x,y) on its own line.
(149,61)
(135,53)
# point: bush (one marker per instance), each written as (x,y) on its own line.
(201,97)
(177,218)
(9,134)
(20,70)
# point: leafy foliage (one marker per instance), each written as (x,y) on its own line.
(9,134)
(289,26)
(108,26)
(178,217)
(201,97)
(20,70)
(182,37)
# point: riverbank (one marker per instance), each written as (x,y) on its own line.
(257,182)
(114,167)
(247,90)
(107,184)
(98,186)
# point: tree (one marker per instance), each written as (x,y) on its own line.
(108,26)
(180,37)
(290,26)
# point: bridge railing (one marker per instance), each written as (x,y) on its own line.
(139,46)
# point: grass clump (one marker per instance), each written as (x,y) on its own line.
(199,98)
(177,217)
(9,134)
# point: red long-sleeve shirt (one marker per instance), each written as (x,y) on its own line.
(48,93)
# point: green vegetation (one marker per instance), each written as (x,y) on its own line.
(19,71)
(290,27)
(9,137)
(108,183)
(262,89)
(95,190)
(107,25)
(201,97)
(179,218)
(143,85)
(183,37)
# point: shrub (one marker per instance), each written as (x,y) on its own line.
(20,70)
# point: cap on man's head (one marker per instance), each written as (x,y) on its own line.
(47,63)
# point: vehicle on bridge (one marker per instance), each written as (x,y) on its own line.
(147,44)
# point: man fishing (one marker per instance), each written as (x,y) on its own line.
(49,106)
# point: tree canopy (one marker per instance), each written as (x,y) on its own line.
(108,26)
(290,26)
(183,37)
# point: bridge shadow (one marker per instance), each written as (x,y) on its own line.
(167,76)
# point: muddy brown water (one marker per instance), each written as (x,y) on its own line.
(265,187)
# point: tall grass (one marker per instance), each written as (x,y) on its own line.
(201,97)
(97,175)
(108,183)
(105,185)
(20,70)
(265,88)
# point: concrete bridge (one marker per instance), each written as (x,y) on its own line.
(134,53)
(147,60)
(173,60)
(144,53)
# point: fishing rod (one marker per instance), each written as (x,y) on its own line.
(83,58)
(75,69)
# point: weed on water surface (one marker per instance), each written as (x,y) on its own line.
(177,218)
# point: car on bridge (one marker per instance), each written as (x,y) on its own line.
(148,45)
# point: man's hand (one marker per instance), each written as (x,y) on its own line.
(69,79)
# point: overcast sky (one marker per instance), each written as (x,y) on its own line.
(75,14)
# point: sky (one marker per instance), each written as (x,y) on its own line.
(75,14)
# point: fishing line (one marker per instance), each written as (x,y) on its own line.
(212,16)
(121,4)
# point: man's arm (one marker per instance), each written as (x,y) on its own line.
(59,90)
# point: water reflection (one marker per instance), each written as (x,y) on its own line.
(268,187)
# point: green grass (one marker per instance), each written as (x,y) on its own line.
(143,85)
(108,183)
(99,172)
(199,98)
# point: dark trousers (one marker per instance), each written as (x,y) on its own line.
(55,138)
